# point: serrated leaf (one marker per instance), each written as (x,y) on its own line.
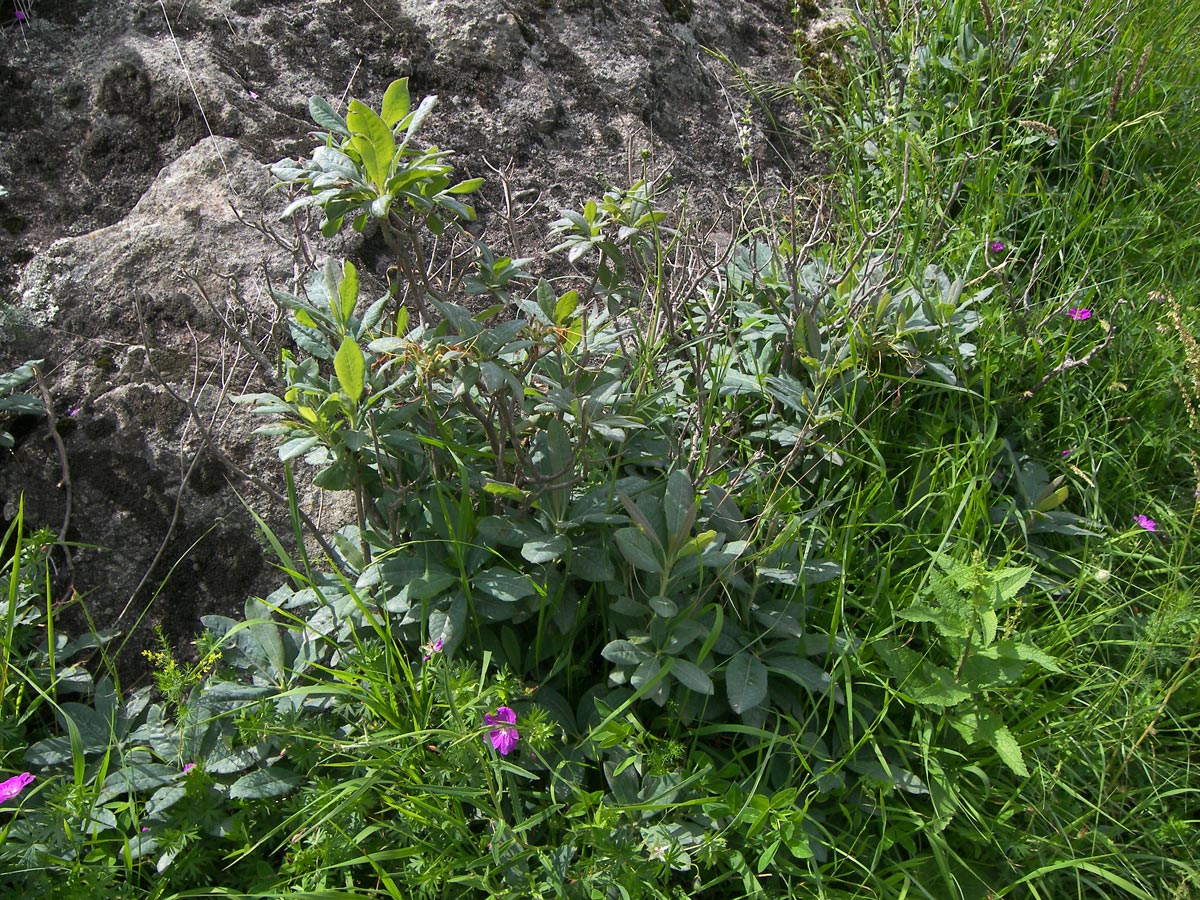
(941,691)
(263,784)
(395,102)
(947,621)
(351,368)
(745,682)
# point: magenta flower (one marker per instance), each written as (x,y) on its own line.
(1079,313)
(14,786)
(996,246)
(1066,453)
(435,647)
(1145,522)
(19,16)
(504,738)
(188,768)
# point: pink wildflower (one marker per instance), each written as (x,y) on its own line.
(1145,522)
(996,247)
(14,786)
(504,738)
(1079,313)
(188,768)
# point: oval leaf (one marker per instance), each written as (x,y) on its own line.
(745,682)
(264,783)
(395,102)
(691,676)
(350,368)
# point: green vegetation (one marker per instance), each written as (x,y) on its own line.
(857,563)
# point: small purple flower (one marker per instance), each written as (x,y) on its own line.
(19,16)
(1079,313)
(253,95)
(14,786)
(504,738)
(996,246)
(188,768)
(1065,453)
(1145,522)
(74,410)
(435,647)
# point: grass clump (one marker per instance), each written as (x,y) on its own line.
(857,565)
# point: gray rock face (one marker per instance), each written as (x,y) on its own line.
(127,130)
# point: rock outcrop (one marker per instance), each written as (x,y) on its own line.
(132,144)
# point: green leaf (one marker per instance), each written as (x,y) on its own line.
(624,653)
(263,784)
(139,777)
(500,489)
(374,141)
(664,606)
(807,674)
(297,447)
(941,692)
(350,368)
(637,550)
(679,506)
(325,116)
(745,682)
(417,119)
(347,293)
(504,584)
(947,621)
(986,727)
(470,186)
(545,550)
(565,306)
(545,299)
(691,676)
(395,102)
(592,564)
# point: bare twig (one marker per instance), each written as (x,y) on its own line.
(65,483)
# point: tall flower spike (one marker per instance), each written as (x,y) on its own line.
(504,738)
